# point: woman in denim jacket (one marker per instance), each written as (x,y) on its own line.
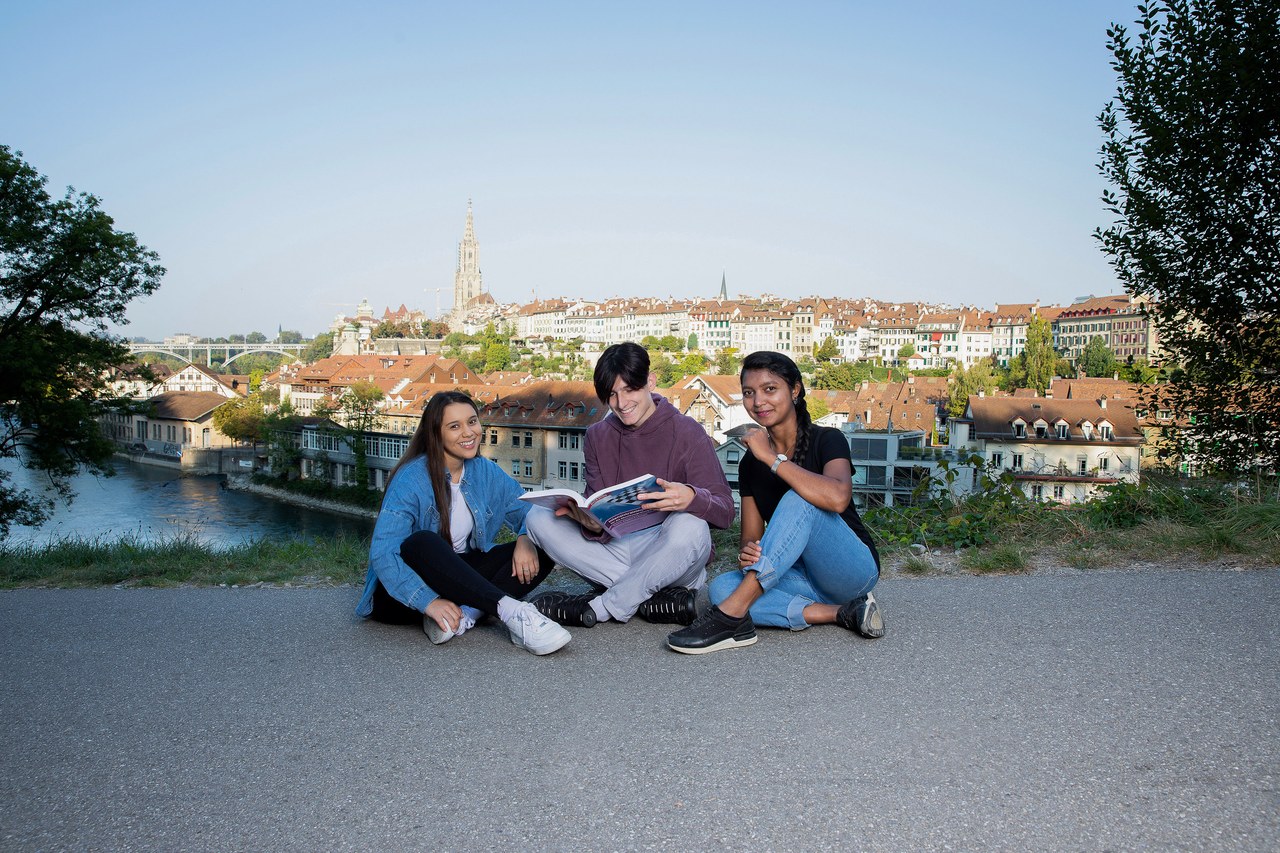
(433,558)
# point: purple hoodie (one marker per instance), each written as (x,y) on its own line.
(668,445)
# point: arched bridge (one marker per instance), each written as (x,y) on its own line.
(230,352)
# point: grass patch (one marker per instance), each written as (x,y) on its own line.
(914,565)
(181,560)
(1005,558)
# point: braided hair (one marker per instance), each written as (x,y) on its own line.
(785,369)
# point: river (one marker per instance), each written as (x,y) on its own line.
(150,504)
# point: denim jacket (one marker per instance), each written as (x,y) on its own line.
(410,505)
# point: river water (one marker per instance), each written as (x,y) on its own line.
(150,504)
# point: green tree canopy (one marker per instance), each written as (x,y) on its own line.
(1034,366)
(321,346)
(906,351)
(828,350)
(967,382)
(65,273)
(842,377)
(728,362)
(1191,153)
(1097,359)
(289,336)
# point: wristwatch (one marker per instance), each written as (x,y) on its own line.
(781,457)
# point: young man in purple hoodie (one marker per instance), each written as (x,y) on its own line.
(654,572)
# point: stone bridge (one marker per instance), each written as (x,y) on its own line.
(230,351)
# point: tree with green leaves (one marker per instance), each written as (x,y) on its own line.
(967,382)
(1096,359)
(842,377)
(828,350)
(1139,371)
(497,356)
(691,345)
(728,362)
(321,346)
(906,351)
(356,412)
(1034,366)
(1191,153)
(693,363)
(65,274)
(289,336)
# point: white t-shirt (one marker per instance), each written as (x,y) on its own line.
(460,521)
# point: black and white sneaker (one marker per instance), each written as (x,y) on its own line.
(566,608)
(711,632)
(862,616)
(672,604)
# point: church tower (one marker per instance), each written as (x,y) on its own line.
(467,284)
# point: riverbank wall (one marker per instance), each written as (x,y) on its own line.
(243,482)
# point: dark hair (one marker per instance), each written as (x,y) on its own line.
(785,369)
(426,442)
(629,360)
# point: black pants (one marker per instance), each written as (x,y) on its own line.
(477,578)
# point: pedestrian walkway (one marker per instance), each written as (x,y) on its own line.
(1104,711)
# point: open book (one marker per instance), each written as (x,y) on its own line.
(617,507)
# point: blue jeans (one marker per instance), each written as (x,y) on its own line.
(809,556)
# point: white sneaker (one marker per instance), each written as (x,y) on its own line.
(533,632)
(435,633)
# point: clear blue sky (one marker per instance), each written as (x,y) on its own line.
(287,160)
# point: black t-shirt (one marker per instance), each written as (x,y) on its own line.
(755,480)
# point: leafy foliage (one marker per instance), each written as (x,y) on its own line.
(1097,359)
(967,382)
(841,377)
(1035,366)
(321,346)
(940,516)
(1191,151)
(826,351)
(65,273)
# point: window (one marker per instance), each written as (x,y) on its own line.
(1084,466)
(515,467)
(493,436)
(482,437)
(515,439)
(1041,431)
(1063,431)
(1104,432)
(1058,492)
(528,439)
(1037,492)
(997,460)
(1104,463)
(528,468)
(573,470)
(1017,461)
(1019,430)
(732,456)
(564,470)
(155,432)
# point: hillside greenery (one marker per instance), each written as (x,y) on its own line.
(1163,521)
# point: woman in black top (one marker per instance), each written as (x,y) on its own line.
(806,558)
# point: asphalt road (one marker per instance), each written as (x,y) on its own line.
(1115,711)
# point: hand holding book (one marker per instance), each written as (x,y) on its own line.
(621,509)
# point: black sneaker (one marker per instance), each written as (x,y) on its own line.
(672,604)
(711,632)
(862,616)
(566,608)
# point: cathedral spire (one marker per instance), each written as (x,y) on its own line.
(724,290)
(467,282)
